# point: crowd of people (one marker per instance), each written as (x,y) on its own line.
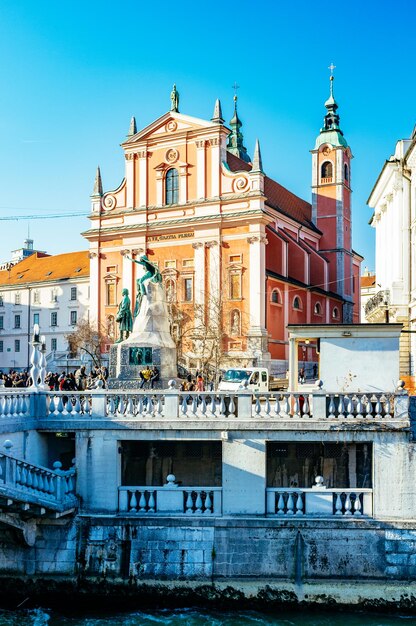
(64,381)
(197,383)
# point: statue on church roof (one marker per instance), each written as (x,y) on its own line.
(174,100)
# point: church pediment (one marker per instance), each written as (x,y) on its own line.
(169,124)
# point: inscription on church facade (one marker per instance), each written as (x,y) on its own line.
(172,236)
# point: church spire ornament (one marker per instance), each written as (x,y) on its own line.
(217,117)
(235,138)
(331,131)
(132,127)
(98,184)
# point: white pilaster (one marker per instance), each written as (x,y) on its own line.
(127,271)
(159,188)
(257,272)
(183,184)
(143,179)
(200,169)
(214,276)
(215,167)
(94,285)
(199,266)
(130,179)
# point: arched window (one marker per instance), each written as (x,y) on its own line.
(235,323)
(317,308)
(171,186)
(326,170)
(297,303)
(276,298)
(335,313)
(346,173)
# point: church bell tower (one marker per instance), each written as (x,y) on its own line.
(331,202)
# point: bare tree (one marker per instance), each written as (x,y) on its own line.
(87,337)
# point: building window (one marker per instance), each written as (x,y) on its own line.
(170,264)
(54,344)
(276,298)
(235,323)
(1,300)
(36,318)
(172,186)
(73,318)
(73,293)
(235,258)
(17,299)
(235,285)
(346,173)
(335,313)
(17,321)
(1,346)
(326,172)
(54,295)
(36,297)
(1,322)
(170,287)
(188,289)
(297,303)
(187,263)
(17,345)
(111,293)
(54,318)
(317,308)
(234,346)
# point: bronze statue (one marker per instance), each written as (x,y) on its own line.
(174,100)
(124,317)
(152,274)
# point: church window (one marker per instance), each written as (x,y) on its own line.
(235,258)
(169,264)
(326,172)
(317,308)
(111,293)
(335,313)
(187,289)
(297,303)
(235,285)
(276,297)
(172,187)
(346,173)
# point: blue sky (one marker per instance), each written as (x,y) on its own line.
(73,73)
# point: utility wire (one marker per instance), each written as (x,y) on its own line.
(10,218)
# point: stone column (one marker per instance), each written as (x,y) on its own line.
(200,169)
(244,477)
(94,285)
(214,277)
(98,470)
(127,270)
(293,364)
(257,297)
(142,156)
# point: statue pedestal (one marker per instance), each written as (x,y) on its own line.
(149,344)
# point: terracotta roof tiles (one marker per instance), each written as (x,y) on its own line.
(39,267)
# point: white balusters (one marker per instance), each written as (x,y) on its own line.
(347,504)
(189,503)
(299,504)
(349,406)
(208,504)
(281,505)
(341,407)
(305,408)
(231,407)
(359,407)
(133,502)
(296,406)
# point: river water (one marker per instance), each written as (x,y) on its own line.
(200,617)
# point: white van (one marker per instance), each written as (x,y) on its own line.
(253,379)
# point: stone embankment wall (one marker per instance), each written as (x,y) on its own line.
(91,550)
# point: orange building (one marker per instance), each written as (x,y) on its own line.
(241,256)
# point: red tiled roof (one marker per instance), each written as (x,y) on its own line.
(368,281)
(40,267)
(278,197)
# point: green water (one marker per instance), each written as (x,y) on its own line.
(198,617)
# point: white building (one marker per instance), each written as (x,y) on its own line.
(52,291)
(369,288)
(393,199)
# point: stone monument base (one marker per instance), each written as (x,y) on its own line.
(127,359)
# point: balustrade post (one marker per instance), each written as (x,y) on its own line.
(217,502)
(244,404)
(318,402)
(401,402)
(98,404)
(172,401)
